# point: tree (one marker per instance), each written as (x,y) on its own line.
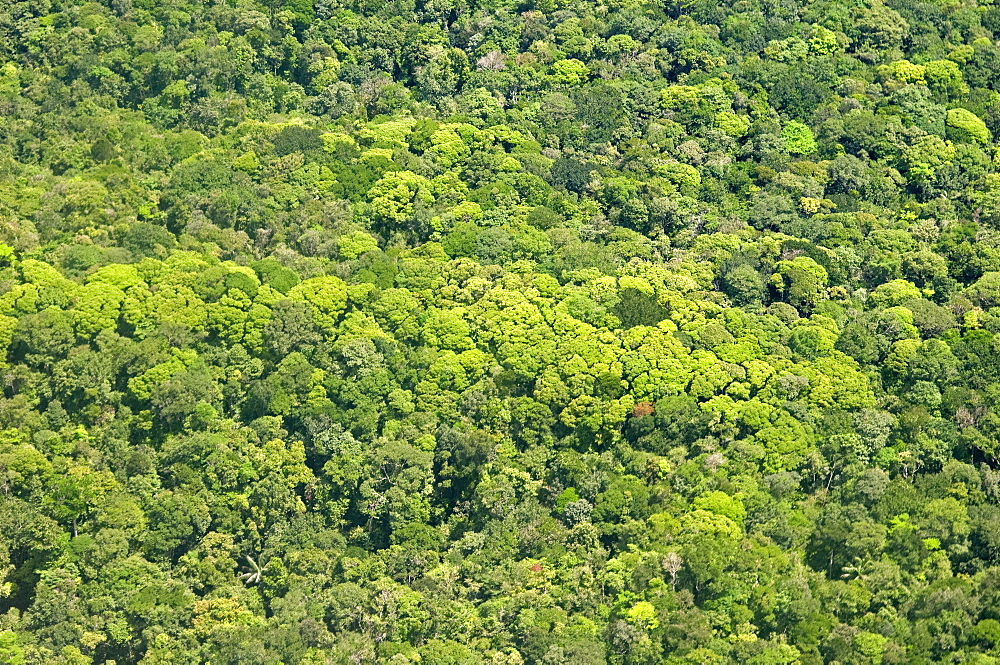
(802,280)
(296,138)
(798,138)
(570,71)
(326,295)
(965,127)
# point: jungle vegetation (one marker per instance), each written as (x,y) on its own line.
(499,332)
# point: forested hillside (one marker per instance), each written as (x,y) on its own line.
(485,332)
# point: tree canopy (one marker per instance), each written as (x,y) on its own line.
(499,333)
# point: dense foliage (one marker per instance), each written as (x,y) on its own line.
(497,332)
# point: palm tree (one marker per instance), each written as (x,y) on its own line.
(255,574)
